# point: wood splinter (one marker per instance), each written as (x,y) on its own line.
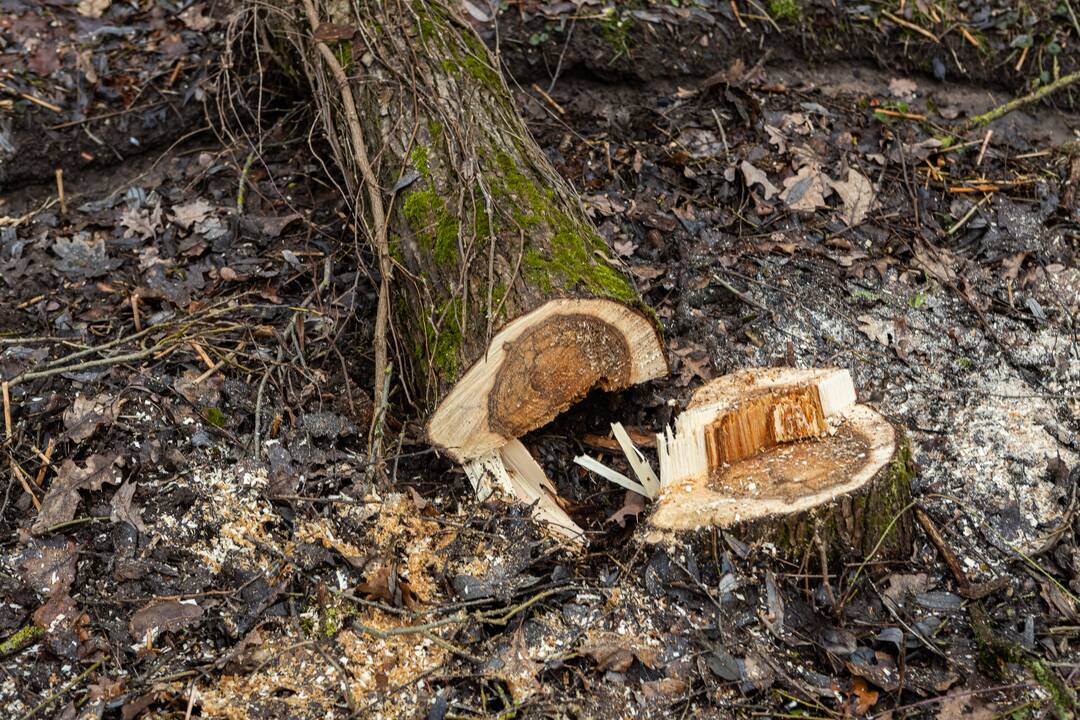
(787,457)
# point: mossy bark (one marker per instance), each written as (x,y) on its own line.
(874,522)
(482,229)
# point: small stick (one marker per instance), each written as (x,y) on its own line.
(1015,104)
(218,365)
(37,101)
(202,354)
(969,37)
(46,461)
(982,150)
(910,26)
(551,101)
(738,17)
(15,469)
(967,216)
(946,552)
(135,311)
(60,190)
(723,135)
(175,74)
(900,114)
(1023,57)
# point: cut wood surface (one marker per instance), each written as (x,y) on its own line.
(506,308)
(786,456)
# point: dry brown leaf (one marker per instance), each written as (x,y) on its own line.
(806,190)
(865,696)
(86,415)
(753,176)
(62,497)
(857,194)
(93,8)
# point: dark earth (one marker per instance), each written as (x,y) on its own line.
(191,522)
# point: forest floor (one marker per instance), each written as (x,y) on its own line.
(189,522)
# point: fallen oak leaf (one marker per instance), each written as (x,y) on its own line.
(753,176)
(857,195)
(86,415)
(62,498)
(806,190)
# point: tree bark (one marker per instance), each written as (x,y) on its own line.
(505,306)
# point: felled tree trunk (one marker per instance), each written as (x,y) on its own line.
(505,307)
(786,457)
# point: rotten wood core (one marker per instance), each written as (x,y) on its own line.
(789,448)
(541,364)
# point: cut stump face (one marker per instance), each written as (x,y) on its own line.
(763,443)
(541,364)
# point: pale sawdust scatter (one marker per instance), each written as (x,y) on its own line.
(321,531)
(312,686)
(296,682)
(232,503)
(381,663)
(400,525)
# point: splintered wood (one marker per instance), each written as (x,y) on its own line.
(764,421)
(767,442)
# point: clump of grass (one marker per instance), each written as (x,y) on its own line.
(785,10)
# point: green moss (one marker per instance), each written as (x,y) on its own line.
(481,71)
(394,245)
(994,652)
(419,158)
(435,130)
(574,246)
(214,416)
(436,229)
(21,638)
(445,341)
(1062,699)
(343,50)
(332,621)
(785,10)
(427,28)
(481,222)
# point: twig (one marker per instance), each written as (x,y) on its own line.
(46,461)
(964,585)
(60,190)
(375,201)
(20,639)
(1015,104)
(982,150)
(1072,17)
(56,695)
(214,367)
(910,26)
(15,469)
(37,101)
(242,187)
(100,362)
(967,216)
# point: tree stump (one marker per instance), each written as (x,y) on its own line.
(786,457)
(506,308)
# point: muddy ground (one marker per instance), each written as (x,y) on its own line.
(186,340)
